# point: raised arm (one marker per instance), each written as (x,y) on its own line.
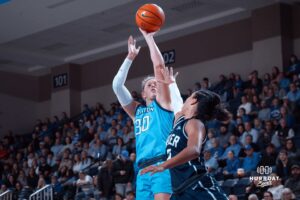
(119,88)
(163,95)
(170,79)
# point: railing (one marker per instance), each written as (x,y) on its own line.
(7,195)
(44,193)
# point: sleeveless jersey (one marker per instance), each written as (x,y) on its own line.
(176,142)
(152,125)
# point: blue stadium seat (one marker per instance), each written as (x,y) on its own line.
(228,185)
(240,187)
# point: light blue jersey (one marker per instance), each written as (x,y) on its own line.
(152,126)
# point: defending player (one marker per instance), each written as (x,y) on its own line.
(190,180)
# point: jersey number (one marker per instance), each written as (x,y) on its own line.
(142,124)
(169,154)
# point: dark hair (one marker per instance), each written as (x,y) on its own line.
(270,193)
(209,106)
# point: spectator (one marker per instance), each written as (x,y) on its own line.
(85,183)
(242,114)
(294,94)
(294,65)
(238,81)
(275,109)
(118,148)
(276,188)
(287,194)
(268,196)
(128,136)
(275,72)
(249,141)
(85,160)
(210,135)
(293,181)
(98,150)
(234,147)
(112,139)
(264,113)
(253,188)
(232,164)
(283,81)
(216,150)
(44,168)
(105,180)
(66,161)
(249,131)
(288,117)
(211,163)
(246,104)
(32,179)
(283,132)
(132,157)
(268,156)
(102,134)
(77,164)
(17,191)
(41,183)
(267,79)
(57,188)
(283,165)
(224,135)
(253,197)
(270,97)
(123,173)
(251,160)
(22,178)
(293,152)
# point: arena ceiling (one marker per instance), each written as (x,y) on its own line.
(38,34)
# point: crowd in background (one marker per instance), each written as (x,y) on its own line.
(93,154)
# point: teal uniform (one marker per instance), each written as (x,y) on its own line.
(152,125)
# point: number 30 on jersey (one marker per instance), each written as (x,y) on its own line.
(142,125)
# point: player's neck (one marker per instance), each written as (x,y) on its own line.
(148,102)
(188,114)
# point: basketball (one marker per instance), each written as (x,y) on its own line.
(150,17)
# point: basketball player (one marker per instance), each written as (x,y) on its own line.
(152,122)
(190,179)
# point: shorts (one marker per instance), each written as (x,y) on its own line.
(148,185)
(205,188)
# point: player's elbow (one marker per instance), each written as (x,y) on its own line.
(195,151)
(115,85)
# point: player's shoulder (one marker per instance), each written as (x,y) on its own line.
(195,123)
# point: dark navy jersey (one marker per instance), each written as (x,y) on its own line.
(176,142)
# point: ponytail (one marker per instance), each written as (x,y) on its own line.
(220,114)
(209,106)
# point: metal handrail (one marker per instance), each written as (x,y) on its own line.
(45,193)
(7,195)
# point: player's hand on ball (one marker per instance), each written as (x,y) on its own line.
(133,51)
(153,169)
(168,76)
(146,34)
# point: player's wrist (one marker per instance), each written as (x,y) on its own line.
(161,167)
(131,56)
